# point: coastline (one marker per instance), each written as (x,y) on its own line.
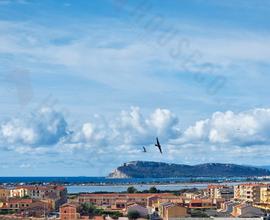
(103,181)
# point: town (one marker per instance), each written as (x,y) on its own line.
(245,200)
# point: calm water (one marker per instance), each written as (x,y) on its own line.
(98,184)
(104,180)
(123,188)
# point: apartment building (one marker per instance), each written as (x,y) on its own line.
(162,198)
(4,193)
(265,194)
(15,204)
(56,195)
(264,202)
(69,212)
(246,211)
(220,192)
(118,200)
(169,211)
(18,192)
(202,204)
(250,192)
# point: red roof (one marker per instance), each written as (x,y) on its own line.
(68,205)
(17,200)
(215,186)
(130,195)
(33,187)
(253,184)
(201,201)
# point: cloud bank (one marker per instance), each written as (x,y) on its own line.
(242,129)
(44,127)
(48,127)
(223,137)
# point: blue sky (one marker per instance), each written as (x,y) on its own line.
(85,84)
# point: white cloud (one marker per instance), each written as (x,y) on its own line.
(130,128)
(242,129)
(48,127)
(44,127)
(224,137)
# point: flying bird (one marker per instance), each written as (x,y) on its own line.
(158,145)
(144,150)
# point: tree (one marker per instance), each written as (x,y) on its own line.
(87,209)
(131,189)
(133,214)
(153,190)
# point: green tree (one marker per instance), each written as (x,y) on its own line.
(131,189)
(153,190)
(133,214)
(87,209)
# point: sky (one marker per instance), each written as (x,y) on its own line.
(84,85)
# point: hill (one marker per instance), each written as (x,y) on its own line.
(147,169)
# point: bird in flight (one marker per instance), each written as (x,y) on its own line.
(144,150)
(158,145)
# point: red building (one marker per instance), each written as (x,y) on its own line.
(69,212)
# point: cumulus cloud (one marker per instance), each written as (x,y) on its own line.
(131,128)
(48,127)
(241,129)
(47,130)
(44,127)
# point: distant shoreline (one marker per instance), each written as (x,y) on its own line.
(141,188)
(102,181)
(165,184)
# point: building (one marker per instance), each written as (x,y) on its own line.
(169,211)
(56,195)
(69,212)
(246,211)
(18,192)
(202,204)
(220,192)
(249,192)
(119,201)
(15,204)
(4,193)
(264,202)
(37,209)
(155,200)
(227,206)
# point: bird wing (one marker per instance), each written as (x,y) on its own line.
(160,150)
(159,146)
(158,142)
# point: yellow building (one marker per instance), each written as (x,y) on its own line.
(264,202)
(265,194)
(4,193)
(249,192)
(18,192)
(170,211)
(219,192)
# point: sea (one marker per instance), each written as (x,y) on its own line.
(102,184)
